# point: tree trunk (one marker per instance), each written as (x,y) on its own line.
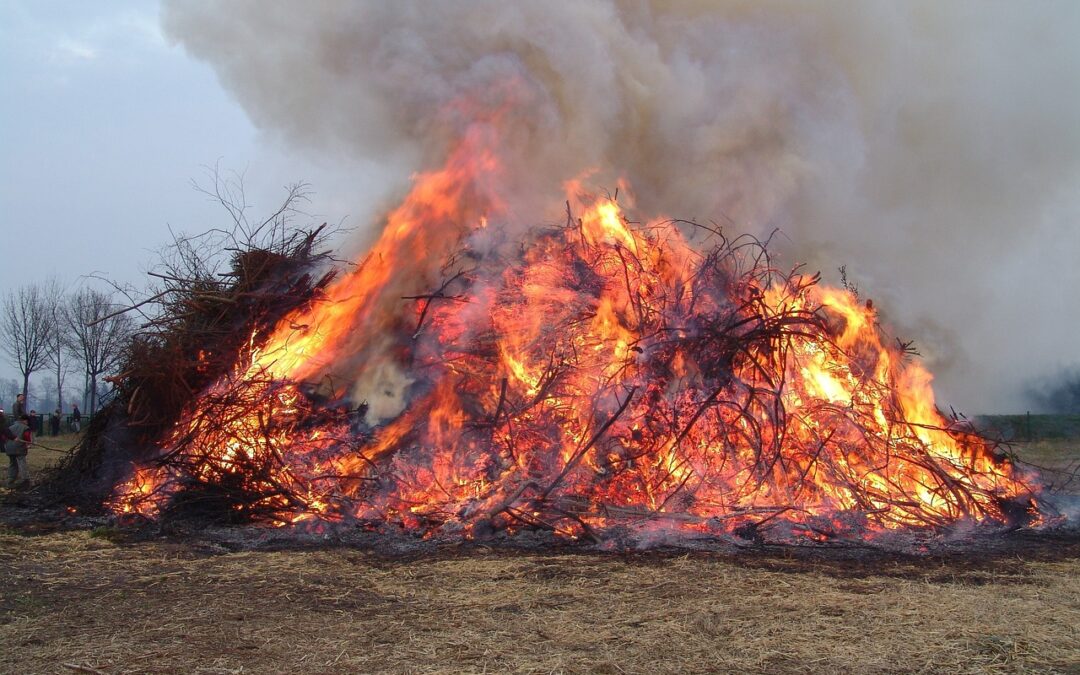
(93,393)
(59,386)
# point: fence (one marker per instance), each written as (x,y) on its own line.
(42,424)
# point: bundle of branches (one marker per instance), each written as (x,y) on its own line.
(214,296)
(204,323)
(259,417)
(598,381)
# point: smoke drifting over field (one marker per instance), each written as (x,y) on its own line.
(933,149)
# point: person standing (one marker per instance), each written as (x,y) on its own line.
(54,422)
(76,418)
(17,446)
(20,407)
(5,434)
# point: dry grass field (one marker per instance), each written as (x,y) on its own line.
(91,601)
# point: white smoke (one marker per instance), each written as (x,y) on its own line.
(933,148)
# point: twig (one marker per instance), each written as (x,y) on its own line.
(84,669)
(135,306)
(585,448)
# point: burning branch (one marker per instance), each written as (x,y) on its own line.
(600,378)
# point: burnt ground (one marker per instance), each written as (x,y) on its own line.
(80,595)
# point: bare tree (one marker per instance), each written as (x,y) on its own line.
(9,387)
(97,334)
(26,330)
(59,351)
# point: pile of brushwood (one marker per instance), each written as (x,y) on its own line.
(704,369)
(213,294)
(739,346)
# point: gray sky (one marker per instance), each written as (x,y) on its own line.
(105,124)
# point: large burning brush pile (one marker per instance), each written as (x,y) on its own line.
(600,380)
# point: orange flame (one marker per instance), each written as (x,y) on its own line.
(604,375)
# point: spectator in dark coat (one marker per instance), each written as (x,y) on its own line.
(17,445)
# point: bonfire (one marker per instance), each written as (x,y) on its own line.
(599,379)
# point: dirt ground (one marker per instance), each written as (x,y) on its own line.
(90,601)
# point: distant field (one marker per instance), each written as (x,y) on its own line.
(52,450)
(1031,427)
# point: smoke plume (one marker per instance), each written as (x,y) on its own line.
(932,148)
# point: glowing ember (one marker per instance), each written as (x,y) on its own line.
(600,377)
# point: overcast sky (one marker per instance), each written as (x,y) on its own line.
(104,125)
